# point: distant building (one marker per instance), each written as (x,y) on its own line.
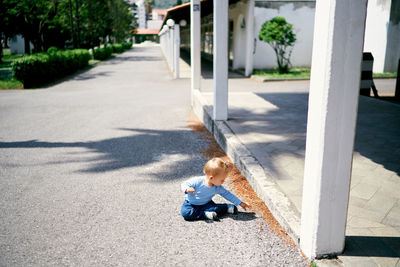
(141,14)
(382,32)
(17,44)
(148,24)
(157,16)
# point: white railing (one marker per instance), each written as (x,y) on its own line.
(170,43)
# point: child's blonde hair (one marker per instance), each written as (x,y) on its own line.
(215,166)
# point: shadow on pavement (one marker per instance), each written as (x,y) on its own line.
(372,246)
(144,147)
(377,131)
(241,216)
(117,60)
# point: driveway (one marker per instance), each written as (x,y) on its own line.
(90,173)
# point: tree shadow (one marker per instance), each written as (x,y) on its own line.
(90,75)
(144,147)
(372,246)
(121,58)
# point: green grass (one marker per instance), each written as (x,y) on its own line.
(8,58)
(294,73)
(10,84)
(385,74)
(303,73)
(313,264)
(6,79)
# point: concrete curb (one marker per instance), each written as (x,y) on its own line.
(258,177)
(264,80)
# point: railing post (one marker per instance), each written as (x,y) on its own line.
(220,60)
(176,48)
(397,92)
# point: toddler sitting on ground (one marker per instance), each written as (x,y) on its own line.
(199,190)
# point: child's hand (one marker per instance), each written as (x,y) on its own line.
(190,190)
(245,206)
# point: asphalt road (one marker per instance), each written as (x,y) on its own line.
(90,173)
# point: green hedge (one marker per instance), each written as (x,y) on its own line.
(118,48)
(106,52)
(40,68)
(126,46)
(102,53)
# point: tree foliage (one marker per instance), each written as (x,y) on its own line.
(66,23)
(278,33)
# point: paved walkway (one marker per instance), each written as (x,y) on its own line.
(90,173)
(270,119)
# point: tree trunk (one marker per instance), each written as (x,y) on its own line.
(1,47)
(71,21)
(92,42)
(78,28)
(27,44)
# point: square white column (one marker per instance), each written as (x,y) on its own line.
(249,38)
(220,60)
(195,60)
(177,53)
(332,111)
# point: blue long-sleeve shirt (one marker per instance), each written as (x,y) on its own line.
(204,193)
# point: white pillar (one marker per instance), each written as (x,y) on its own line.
(195,60)
(249,38)
(171,48)
(220,60)
(177,50)
(332,111)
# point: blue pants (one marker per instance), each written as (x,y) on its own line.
(196,212)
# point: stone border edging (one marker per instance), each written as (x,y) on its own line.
(264,80)
(259,179)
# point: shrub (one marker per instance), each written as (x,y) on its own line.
(118,48)
(280,36)
(102,53)
(52,49)
(40,68)
(126,45)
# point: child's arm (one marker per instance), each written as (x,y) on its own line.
(228,195)
(189,185)
(232,198)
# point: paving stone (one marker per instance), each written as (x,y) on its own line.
(370,215)
(364,191)
(393,217)
(385,261)
(358,261)
(361,222)
(380,203)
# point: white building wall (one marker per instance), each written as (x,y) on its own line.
(17,45)
(301,15)
(378,14)
(393,43)
(141,14)
(237,13)
(154,24)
